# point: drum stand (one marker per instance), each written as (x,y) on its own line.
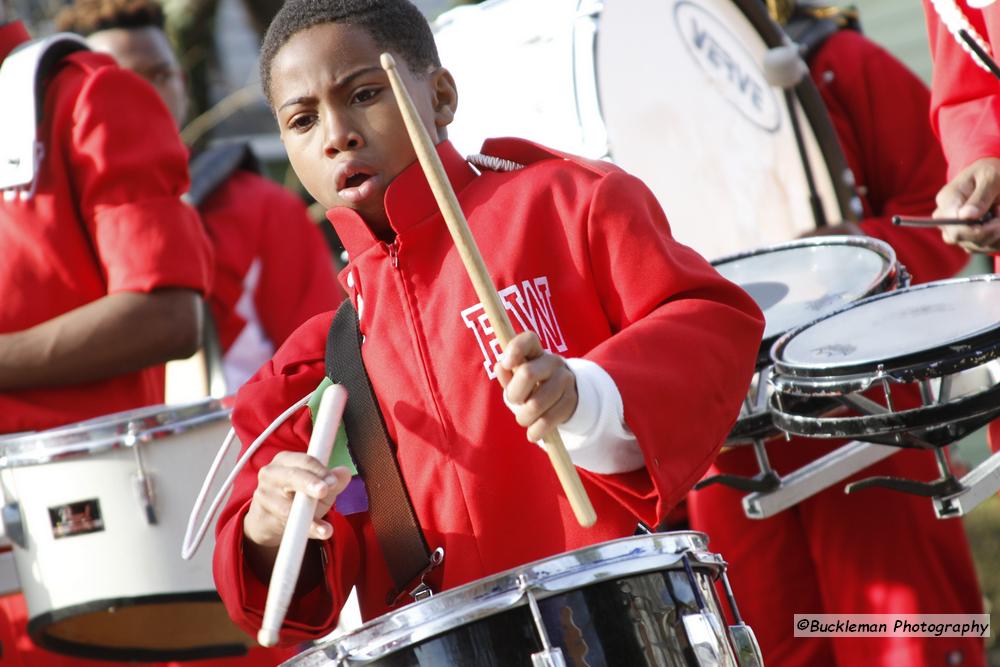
(766,480)
(981,483)
(817,476)
(951,497)
(945,485)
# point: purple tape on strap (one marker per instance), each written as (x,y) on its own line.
(353,499)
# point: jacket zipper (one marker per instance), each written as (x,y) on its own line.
(393,249)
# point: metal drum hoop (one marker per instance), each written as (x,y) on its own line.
(936,425)
(893,276)
(932,362)
(115,431)
(546,577)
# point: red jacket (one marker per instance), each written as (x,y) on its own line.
(581,252)
(107,218)
(877,108)
(273,270)
(965,99)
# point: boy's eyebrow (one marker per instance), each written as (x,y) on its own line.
(339,84)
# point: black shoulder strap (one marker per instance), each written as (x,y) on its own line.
(389,508)
(811,25)
(211,168)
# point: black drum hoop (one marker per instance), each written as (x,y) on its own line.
(932,362)
(938,425)
(895,276)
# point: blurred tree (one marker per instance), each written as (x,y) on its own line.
(191,25)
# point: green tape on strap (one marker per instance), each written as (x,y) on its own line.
(340,455)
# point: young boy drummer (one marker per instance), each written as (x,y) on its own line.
(631,344)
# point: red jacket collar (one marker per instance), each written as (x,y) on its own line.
(12,35)
(408,201)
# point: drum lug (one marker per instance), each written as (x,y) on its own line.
(552,657)
(13,524)
(703,639)
(746,646)
(146,495)
(549,656)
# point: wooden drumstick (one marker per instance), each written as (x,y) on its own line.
(476,268)
(288,563)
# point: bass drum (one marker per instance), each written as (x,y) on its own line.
(674,92)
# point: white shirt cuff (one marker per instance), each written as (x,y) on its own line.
(596,435)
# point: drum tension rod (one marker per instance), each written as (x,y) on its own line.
(549,656)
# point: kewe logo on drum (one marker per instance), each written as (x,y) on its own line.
(728,63)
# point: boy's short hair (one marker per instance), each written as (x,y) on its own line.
(86,17)
(395,25)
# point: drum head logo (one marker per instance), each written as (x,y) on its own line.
(725,60)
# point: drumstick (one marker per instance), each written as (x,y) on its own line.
(940,222)
(476,268)
(285,575)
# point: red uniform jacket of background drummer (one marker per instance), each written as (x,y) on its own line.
(581,253)
(965,99)
(107,218)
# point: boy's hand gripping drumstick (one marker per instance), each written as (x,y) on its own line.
(476,268)
(285,575)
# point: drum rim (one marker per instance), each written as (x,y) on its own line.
(499,592)
(37,626)
(114,431)
(904,367)
(887,280)
(938,425)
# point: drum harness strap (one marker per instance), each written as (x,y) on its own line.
(398,532)
(810,25)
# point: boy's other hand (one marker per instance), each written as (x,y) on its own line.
(539,387)
(277,483)
(970,195)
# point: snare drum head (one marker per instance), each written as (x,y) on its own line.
(673,91)
(797,283)
(892,327)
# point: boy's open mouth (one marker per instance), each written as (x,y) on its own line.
(355,185)
(356,180)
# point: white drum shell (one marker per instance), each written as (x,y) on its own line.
(128,558)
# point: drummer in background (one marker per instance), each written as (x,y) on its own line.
(273,269)
(877,551)
(965,113)
(103,269)
(581,239)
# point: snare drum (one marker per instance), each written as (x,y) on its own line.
(96,512)
(941,337)
(648,600)
(673,91)
(796,283)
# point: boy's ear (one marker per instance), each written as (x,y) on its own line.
(445,97)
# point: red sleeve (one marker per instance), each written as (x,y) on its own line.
(294,372)
(684,346)
(297,276)
(965,99)
(879,109)
(130,170)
